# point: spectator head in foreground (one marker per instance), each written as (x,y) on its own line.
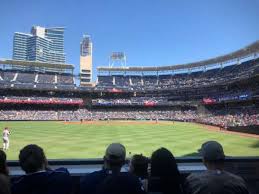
(3,166)
(110,180)
(164,167)
(214,179)
(32,159)
(4,185)
(213,155)
(139,166)
(114,157)
(39,178)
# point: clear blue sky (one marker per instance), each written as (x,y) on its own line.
(150,32)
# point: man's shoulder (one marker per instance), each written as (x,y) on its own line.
(208,174)
(58,173)
(235,180)
(233,176)
(58,180)
(96,175)
(123,182)
(220,180)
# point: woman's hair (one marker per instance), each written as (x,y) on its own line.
(3,167)
(139,165)
(164,167)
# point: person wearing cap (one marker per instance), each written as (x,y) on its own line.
(110,180)
(214,180)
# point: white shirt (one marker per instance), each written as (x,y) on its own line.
(6,133)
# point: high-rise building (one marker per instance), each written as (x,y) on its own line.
(56,35)
(20,46)
(43,44)
(86,47)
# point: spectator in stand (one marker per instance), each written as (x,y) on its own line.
(165,176)
(110,180)
(39,178)
(238,117)
(3,166)
(215,180)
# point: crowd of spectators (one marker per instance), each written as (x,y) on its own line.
(65,79)
(39,100)
(131,101)
(29,79)
(163,175)
(136,82)
(220,118)
(184,80)
(239,118)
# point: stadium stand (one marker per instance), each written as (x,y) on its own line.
(25,77)
(232,118)
(8,76)
(46,78)
(136,80)
(198,79)
(65,79)
(222,91)
(105,80)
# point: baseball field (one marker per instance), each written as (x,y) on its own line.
(65,140)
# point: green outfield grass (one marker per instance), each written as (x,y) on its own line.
(62,141)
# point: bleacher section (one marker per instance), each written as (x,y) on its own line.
(7,76)
(105,80)
(65,79)
(46,78)
(131,81)
(25,77)
(201,78)
(31,80)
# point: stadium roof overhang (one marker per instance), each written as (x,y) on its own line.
(36,64)
(250,50)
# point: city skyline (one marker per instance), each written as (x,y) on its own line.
(150,33)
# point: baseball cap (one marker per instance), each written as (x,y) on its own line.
(212,151)
(115,152)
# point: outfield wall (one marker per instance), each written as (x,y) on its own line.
(246,129)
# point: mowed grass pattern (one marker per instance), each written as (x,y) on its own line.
(65,141)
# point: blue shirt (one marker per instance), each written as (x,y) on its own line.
(104,182)
(44,182)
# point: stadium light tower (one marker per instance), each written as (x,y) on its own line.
(86,47)
(117,59)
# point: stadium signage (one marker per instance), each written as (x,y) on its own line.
(28,101)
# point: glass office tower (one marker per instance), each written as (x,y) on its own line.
(43,44)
